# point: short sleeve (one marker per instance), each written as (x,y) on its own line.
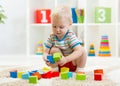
(49,42)
(73,40)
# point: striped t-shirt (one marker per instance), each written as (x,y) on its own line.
(66,44)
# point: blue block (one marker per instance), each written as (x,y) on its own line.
(25,76)
(50,59)
(13,74)
(70,74)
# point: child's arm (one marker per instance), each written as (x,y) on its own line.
(46,52)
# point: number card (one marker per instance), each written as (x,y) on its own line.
(102,15)
(43,16)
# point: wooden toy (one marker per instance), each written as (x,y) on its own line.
(104,50)
(64,69)
(40,49)
(57,56)
(25,76)
(19,74)
(80,76)
(55,74)
(70,74)
(37,74)
(33,79)
(64,75)
(91,50)
(102,15)
(98,76)
(74,15)
(50,59)
(98,71)
(47,75)
(13,74)
(42,16)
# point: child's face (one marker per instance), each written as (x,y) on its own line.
(60,27)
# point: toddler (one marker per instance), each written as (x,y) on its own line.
(64,40)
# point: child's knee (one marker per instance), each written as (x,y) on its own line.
(54,49)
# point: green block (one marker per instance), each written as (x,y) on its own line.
(102,15)
(33,79)
(64,75)
(57,56)
(80,77)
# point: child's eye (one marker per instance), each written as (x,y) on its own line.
(61,27)
(54,26)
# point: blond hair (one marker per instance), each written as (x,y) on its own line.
(62,11)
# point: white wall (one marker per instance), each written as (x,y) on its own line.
(13,32)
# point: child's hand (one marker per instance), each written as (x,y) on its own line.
(51,65)
(62,61)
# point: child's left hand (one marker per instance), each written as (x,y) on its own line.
(62,61)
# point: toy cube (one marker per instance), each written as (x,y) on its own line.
(98,71)
(33,79)
(102,15)
(19,75)
(70,74)
(37,74)
(64,75)
(80,76)
(98,76)
(42,16)
(50,59)
(64,69)
(25,76)
(13,74)
(57,56)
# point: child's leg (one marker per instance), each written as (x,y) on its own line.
(55,65)
(80,62)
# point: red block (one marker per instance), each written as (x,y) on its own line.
(42,16)
(47,75)
(98,71)
(55,74)
(98,76)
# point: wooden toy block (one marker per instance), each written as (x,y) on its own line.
(19,74)
(50,59)
(64,75)
(57,56)
(98,71)
(47,75)
(81,72)
(80,76)
(25,76)
(64,69)
(98,76)
(70,74)
(55,74)
(45,69)
(33,79)
(42,16)
(74,15)
(37,74)
(13,74)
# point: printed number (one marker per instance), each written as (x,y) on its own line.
(43,16)
(102,15)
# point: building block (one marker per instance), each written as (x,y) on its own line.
(13,74)
(64,75)
(80,76)
(98,76)
(64,69)
(47,75)
(70,74)
(19,74)
(33,79)
(98,71)
(50,59)
(25,76)
(40,48)
(37,74)
(55,74)
(45,69)
(57,56)
(74,15)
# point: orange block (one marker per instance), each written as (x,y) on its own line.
(98,71)
(104,55)
(37,74)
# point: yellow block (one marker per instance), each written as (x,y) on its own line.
(64,69)
(19,75)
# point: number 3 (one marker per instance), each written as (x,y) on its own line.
(102,15)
